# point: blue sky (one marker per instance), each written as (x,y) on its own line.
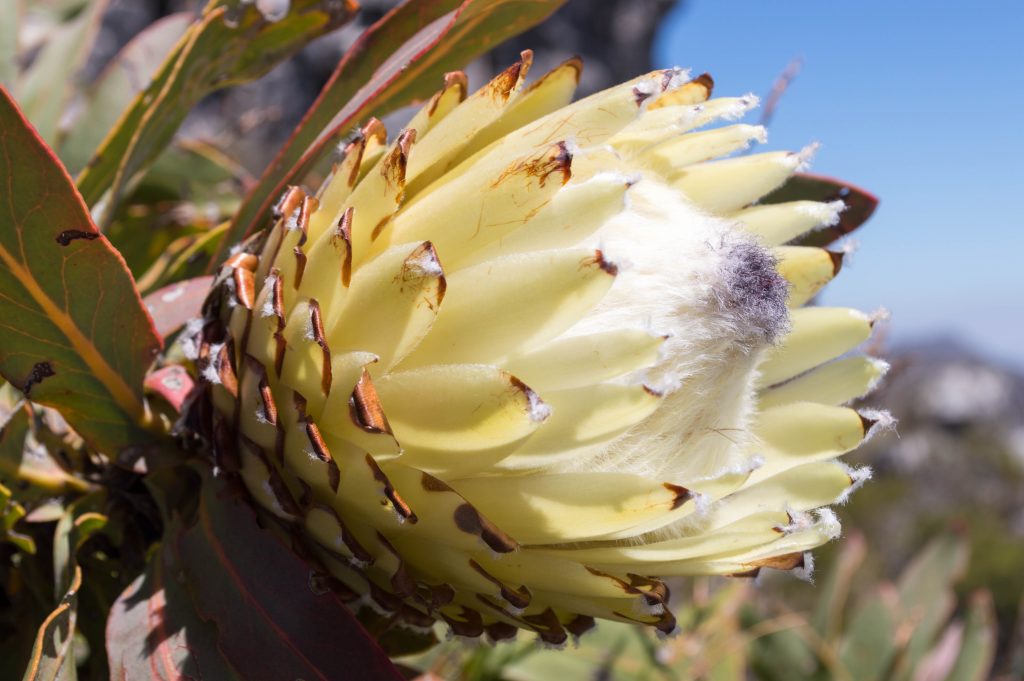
(921,103)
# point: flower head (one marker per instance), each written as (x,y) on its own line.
(532,357)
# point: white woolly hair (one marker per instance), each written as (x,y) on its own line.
(715,294)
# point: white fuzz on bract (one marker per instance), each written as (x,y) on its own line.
(805,572)
(826,214)
(267,310)
(883,421)
(191,338)
(211,372)
(687,275)
(858,476)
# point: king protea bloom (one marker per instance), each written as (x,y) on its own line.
(516,367)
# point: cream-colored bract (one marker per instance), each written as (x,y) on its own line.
(532,357)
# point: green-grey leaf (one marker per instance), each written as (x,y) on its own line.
(48,85)
(121,80)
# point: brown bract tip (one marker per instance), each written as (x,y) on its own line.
(343,235)
(837,261)
(501,631)
(246,261)
(456,79)
(706,81)
(469,520)
(605,264)
(397,502)
(548,627)
(245,287)
(680,494)
(452,80)
(291,199)
(580,625)
(300,266)
(576,64)
(505,83)
(517,598)
(365,407)
(226,368)
(432,484)
(788,561)
(374,129)
(394,164)
(471,625)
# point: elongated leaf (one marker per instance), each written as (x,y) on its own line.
(832,596)
(10,513)
(123,78)
(272,624)
(47,87)
(11,11)
(872,639)
(232,43)
(860,204)
(926,592)
(153,631)
(13,431)
(73,332)
(53,655)
(79,522)
(398,60)
(974,663)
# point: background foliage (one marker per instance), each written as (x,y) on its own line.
(173,129)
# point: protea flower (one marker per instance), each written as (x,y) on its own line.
(520,365)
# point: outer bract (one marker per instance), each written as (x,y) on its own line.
(521,364)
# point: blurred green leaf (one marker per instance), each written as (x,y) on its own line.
(12,11)
(831,599)
(10,513)
(398,60)
(231,43)
(122,79)
(979,641)
(926,592)
(28,467)
(79,522)
(872,638)
(782,656)
(53,656)
(611,650)
(47,87)
(75,335)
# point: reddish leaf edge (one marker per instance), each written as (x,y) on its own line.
(91,232)
(91,226)
(860,205)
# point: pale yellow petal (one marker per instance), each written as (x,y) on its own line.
(818,335)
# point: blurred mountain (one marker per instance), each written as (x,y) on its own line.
(957,459)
